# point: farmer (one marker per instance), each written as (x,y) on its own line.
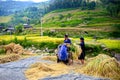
(67,40)
(63,51)
(82,55)
(68,43)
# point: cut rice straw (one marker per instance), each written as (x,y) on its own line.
(102,66)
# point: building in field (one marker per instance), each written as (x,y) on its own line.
(1,28)
(27,26)
(10,29)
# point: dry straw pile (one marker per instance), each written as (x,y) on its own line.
(15,48)
(102,66)
(41,70)
(77,51)
(50,58)
(9,58)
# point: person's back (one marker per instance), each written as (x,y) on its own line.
(62,54)
(67,40)
(63,50)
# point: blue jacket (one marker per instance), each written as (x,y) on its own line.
(67,41)
(62,53)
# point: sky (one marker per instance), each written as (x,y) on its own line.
(27,0)
(33,0)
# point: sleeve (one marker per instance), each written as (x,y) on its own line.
(70,41)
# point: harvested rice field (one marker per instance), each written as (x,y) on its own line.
(101,66)
(41,70)
(9,58)
(50,58)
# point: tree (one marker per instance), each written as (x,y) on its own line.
(84,5)
(19,28)
(113,10)
(91,5)
(112,6)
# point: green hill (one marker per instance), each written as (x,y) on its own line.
(79,18)
(78,22)
(22,12)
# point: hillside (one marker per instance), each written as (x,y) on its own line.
(76,22)
(5,19)
(79,18)
(10,7)
(22,11)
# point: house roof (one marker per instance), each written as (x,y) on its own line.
(1,26)
(11,28)
(27,26)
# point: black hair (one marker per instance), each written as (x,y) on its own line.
(66,35)
(82,38)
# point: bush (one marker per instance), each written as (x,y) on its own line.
(19,28)
(3,42)
(68,15)
(62,25)
(2,51)
(15,40)
(116,27)
(61,16)
(49,33)
(88,18)
(49,45)
(93,50)
(116,31)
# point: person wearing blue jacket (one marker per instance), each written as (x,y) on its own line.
(63,52)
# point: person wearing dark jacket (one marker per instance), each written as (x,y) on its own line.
(67,40)
(82,55)
(64,51)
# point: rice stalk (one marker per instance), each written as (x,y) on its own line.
(102,66)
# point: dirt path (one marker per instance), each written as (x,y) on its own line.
(15,71)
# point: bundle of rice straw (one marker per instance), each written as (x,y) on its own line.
(18,49)
(9,58)
(77,51)
(41,70)
(15,48)
(51,58)
(102,66)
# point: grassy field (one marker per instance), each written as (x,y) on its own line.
(31,37)
(5,19)
(29,40)
(112,44)
(52,42)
